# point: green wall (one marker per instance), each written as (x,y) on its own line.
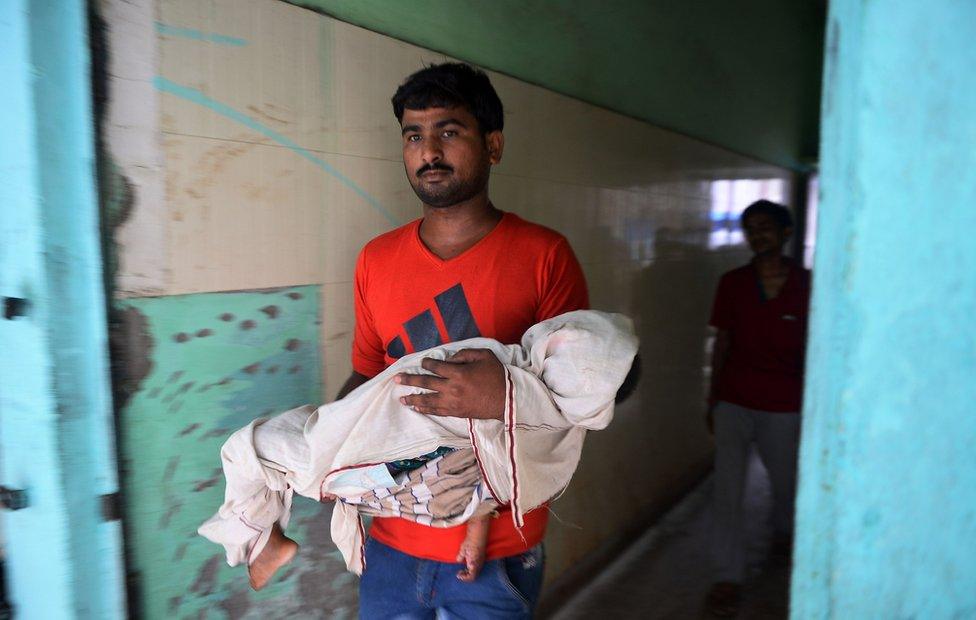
(745,76)
(196,368)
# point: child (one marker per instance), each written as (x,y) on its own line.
(281,549)
(560,383)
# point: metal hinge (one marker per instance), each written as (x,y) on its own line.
(12,499)
(15,307)
(111,508)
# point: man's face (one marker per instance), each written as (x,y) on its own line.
(764,235)
(446,157)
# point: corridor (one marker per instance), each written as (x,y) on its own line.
(199,213)
(665,573)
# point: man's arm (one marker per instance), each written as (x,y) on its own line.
(353,382)
(720,353)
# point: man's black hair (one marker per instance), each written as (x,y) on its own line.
(780,214)
(449,85)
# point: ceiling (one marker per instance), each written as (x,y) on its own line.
(742,75)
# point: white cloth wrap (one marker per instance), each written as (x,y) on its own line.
(559,383)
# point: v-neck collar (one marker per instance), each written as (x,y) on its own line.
(790,277)
(441,262)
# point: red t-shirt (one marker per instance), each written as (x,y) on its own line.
(407,299)
(764,369)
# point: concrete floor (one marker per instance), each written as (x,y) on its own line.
(665,573)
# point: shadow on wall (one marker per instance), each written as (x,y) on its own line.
(657,447)
(678,289)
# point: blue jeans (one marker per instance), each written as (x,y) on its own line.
(400,586)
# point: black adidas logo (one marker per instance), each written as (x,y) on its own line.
(422,330)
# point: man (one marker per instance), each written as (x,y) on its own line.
(760,313)
(465,269)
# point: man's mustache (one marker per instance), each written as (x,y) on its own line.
(434,166)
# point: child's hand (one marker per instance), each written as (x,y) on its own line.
(473,557)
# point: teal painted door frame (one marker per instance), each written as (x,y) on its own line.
(63,551)
(886,513)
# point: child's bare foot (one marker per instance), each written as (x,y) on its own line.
(278,552)
(472,552)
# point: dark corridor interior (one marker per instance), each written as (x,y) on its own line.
(665,574)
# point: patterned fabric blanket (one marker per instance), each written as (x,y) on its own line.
(437,493)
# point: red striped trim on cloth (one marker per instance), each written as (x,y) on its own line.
(362,540)
(510,420)
(477,457)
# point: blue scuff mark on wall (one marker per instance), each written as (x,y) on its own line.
(195,96)
(198,35)
(265,381)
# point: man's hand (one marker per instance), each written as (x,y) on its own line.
(471,384)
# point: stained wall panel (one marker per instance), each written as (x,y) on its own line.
(201,366)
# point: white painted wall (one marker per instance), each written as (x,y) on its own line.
(131,134)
